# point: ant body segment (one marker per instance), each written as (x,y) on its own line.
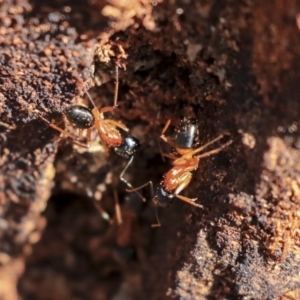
(185,158)
(83,118)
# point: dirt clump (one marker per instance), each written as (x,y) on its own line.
(232,66)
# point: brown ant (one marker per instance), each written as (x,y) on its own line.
(84,118)
(185,160)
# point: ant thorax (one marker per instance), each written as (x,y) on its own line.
(186,134)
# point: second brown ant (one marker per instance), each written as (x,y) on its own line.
(83,118)
(185,160)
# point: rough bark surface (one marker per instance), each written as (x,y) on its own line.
(234,65)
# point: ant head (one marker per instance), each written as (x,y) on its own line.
(80,116)
(186,133)
(162,198)
(129,147)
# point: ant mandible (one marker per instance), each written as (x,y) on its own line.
(185,161)
(84,118)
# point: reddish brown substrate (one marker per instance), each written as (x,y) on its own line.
(234,65)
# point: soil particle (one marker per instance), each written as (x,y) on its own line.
(233,66)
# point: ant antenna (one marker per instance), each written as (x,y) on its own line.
(116,86)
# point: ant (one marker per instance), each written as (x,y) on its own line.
(185,160)
(83,118)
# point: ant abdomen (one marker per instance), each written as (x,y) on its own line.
(80,116)
(187,133)
(128,148)
(162,198)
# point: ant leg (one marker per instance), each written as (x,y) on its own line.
(160,150)
(141,186)
(166,127)
(169,141)
(118,208)
(116,87)
(89,135)
(128,183)
(97,113)
(102,212)
(117,124)
(81,144)
(169,155)
(91,99)
(169,122)
(107,109)
(80,131)
(158,140)
(158,224)
(185,181)
(73,137)
(165,138)
(215,151)
(8,126)
(189,200)
(205,146)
